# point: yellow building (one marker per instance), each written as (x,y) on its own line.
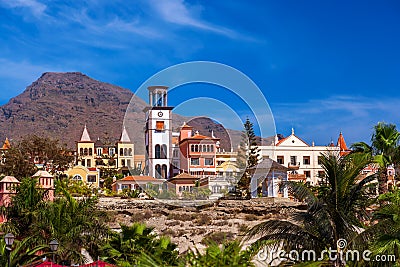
(125,151)
(90,176)
(86,153)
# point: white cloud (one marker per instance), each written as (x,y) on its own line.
(177,12)
(38,9)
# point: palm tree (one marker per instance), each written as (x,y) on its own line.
(383,238)
(336,211)
(76,224)
(137,245)
(228,254)
(384,150)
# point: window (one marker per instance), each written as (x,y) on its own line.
(293,160)
(158,171)
(164,171)
(176,153)
(159,126)
(77,177)
(121,151)
(306,160)
(208,161)
(212,148)
(308,174)
(191,148)
(91,178)
(81,151)
(130,152)
(90,152)
(99,151)
(83,162)
(321,174)
(111,151)
(128,163)
(123,163)
(194,161)
(85,151)
(158,151)
(164,151)
(280,160)
(89,163)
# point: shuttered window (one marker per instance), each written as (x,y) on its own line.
(159,126)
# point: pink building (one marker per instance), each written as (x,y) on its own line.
(7,189)
(45,182)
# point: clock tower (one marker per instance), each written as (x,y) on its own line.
(158,134)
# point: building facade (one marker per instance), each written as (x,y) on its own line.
(158,134)
(302,159)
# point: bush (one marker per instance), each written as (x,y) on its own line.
(217,237)
(203,219)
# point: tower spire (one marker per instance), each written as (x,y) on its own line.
(85,135)
(125,136)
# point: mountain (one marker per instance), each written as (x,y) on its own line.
(58,105)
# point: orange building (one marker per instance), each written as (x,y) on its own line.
(197,153)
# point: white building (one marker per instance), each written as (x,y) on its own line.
(158,134)
(301,158)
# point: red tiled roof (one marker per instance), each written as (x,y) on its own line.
(139,178)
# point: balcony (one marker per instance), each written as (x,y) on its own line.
(297,177)
(294,165)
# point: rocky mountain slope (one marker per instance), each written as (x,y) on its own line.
(58,105)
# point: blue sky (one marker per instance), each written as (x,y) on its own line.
(323,66)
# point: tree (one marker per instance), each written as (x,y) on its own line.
(335,212)
(228,254)
(383,238)
(136,244)
(248,155)
(384,150)
(24,208)
(76,224)
(20,159)
(17,164)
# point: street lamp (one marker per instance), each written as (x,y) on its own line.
(9,239)
(54,246)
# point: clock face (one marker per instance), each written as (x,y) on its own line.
(160,114)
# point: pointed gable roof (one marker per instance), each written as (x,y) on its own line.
(292,140)
(341,143)
(124,136)
(85,136)
(6,144)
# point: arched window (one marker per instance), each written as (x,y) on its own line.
(164,171)
(77,177)
(212,148)
(85,151)
(196,148)
(121,151)
(164,152)
(158,171)
(81,151)
(125,152)
(158,152)
(90,151)
(192,148)
(130,151)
